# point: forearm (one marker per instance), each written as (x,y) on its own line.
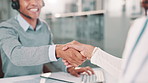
(108,62)
(27,56)
(21,54)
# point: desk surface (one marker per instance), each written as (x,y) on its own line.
(38,79)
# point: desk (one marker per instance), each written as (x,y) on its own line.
(38,79)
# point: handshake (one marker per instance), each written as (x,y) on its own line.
(74,53)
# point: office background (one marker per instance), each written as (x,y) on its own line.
(102,23)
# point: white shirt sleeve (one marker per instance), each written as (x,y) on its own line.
(52,56)
(109,63)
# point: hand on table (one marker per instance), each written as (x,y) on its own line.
(76,72)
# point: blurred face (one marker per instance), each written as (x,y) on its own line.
(144,4)
(31,8)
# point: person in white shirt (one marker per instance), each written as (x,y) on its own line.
(133,67)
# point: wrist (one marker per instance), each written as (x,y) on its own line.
(58,51)
(90,51)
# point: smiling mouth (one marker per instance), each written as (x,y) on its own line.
(34,10)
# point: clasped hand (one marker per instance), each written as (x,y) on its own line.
(72,56)
(74,53)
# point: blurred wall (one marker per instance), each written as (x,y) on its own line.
(118,18)
(116,27)
(6,11)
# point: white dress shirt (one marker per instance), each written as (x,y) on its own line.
(133,67)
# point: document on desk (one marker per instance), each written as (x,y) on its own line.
(67,78)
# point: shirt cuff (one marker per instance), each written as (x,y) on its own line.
(52,56)
(93,55)
(94,51)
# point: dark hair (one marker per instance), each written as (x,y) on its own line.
(144,4)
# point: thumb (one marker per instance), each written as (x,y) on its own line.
(64,48)
(76,47)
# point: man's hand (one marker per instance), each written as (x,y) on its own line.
(72,56)
(76,72)
(84,49)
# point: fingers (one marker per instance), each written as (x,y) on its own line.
(90,69)
(87,70)
(66,63)
(74,44)
(71,56)
(63,60)
(76,47)
(65,48)
(77,72)
(75,58)
(72,71)
(80,56)
(84,49)
(79,48)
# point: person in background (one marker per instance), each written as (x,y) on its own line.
(133,67)
(26,43)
